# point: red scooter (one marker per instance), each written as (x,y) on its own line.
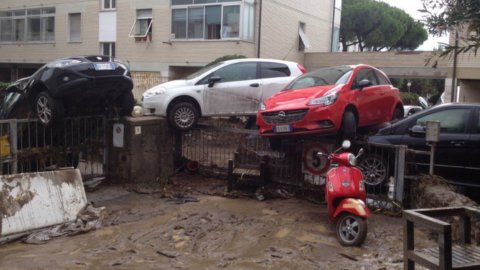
(346,196)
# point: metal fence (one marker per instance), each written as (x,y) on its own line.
(28,146)
(295,164)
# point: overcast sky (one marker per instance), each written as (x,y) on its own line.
(412,7)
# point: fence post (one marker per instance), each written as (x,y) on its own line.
(13,143)
(399,172)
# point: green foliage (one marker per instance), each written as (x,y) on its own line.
(377,26)
(225,58)
(431,89)
(444,16)
(3,85)
(409,98)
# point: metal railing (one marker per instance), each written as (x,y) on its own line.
(212,147)
(28,146)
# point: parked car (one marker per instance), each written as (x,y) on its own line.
(457,152)
(71,86)
(233,87)
(411,109)
(329,101)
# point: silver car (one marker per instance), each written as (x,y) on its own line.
(233,87)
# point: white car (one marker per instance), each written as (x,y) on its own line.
(410,109)
(233,87)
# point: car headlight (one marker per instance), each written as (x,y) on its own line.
(325,100)
(154,92)
(262,106)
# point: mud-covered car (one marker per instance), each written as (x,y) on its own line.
(70,86)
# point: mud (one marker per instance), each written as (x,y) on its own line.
(192,225)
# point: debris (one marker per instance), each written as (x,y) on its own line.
(180,198)
(93,183)
(167,254)
(348,257)
(90,218)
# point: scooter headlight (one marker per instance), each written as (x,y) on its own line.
(352,159)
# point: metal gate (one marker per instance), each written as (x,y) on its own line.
(28,146)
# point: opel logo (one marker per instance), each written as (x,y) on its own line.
(281,115)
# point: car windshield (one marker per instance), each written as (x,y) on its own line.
(203,70)
(321,77)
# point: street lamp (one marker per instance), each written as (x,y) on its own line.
(409,83)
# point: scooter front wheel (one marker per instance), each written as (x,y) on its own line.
(351,230)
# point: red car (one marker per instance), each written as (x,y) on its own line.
(333,100)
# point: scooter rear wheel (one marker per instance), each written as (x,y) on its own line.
(351,230)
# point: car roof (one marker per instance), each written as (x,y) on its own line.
(239,60)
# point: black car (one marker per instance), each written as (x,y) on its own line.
(70,86)
(457,155)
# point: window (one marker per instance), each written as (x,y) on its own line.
(273,70)
(303,41)
(382,79)
(27,25)
(142,27)
(365,74)
(107,48)
(75,26)
(108,4)
(212,19)
(234,72)
(451,121)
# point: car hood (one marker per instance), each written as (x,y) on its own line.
(288,99)
(162,88)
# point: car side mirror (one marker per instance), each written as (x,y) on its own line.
(364,83)
(417,131)
(214,79)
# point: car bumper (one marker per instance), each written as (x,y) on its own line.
(317,120)
(80,88)
(155,105)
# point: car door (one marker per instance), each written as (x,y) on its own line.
(473,150)
(275,76)
(386,101)
(369,109)
(451,149)
(238,91)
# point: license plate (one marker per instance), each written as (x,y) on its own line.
(282,128)
(103,66)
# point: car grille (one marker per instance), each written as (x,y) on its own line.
(284,117)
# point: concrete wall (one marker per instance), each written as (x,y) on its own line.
(146,158)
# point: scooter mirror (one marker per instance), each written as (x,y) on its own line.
(346,144)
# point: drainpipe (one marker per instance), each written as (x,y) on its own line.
(454,75)
(259,28)
(333,25)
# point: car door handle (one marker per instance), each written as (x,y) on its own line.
(457,143)
(254,85)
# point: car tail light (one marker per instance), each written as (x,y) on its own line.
(302,68)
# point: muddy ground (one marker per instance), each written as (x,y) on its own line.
(192,225)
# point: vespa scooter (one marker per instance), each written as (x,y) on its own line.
(346,196)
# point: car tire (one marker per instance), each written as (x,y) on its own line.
(349,126)
(48,109)
(125,104)
(374,169)
(397,115)
(183,116)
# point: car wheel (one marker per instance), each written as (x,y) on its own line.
(374,170)
(48,109)
(349,126)
(125,102)
(397,114)
(183,116)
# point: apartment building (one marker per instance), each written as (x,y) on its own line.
(162,39)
